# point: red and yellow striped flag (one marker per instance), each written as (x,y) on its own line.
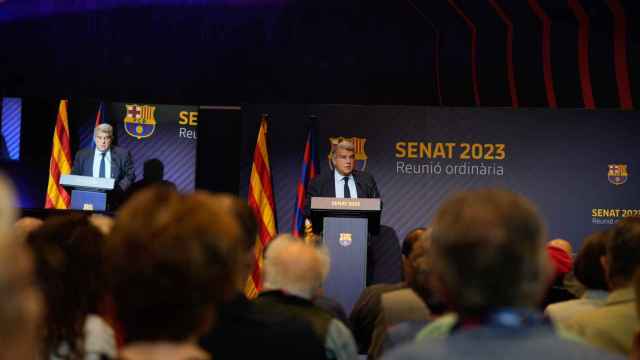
(263,206)
(60,164)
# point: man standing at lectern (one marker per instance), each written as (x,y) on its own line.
(106,161)
(344,181)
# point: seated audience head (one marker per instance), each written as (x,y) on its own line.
(294,266)
(421,273)
(240,209)
(7,207)
(172,259)
(407,246)
(419,251)
(68,254)
(587,266)
(562,244)
(561,257)
(559,253)
(104,223)
(635,345)
(25,225)
(636,290)
(623,253)
(21,307)
(488,252)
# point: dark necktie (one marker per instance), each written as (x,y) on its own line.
(102,165)
(347,193)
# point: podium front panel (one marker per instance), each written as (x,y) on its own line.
(88,200)
(346,240)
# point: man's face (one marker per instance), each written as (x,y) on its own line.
(103,141)
(343,161)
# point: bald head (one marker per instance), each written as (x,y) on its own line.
(295,266)
(562,244)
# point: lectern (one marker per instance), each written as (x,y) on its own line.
(346,224)
(88,193)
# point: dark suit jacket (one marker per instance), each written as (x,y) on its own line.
(122,169)
(324,186)
(245,330)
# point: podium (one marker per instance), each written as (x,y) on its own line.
(88,193)
(346,225)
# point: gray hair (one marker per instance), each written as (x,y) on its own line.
(487,250)
(297,267)
(103,128)
(344,145)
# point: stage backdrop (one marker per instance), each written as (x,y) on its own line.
(579,167)
(159,137)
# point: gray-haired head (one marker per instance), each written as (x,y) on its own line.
(343,158)
(488,252)
(103,129)
(294,266)
(103,136)
(344,145)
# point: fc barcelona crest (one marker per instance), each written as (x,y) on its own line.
(140,121)
(360,154)
(618,174)
(345,239)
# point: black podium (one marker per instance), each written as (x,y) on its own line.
(346,225)
(88,193)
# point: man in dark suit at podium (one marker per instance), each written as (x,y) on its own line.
(106,161)
(344,181)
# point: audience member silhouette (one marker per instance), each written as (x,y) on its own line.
(68,253)
(613,325)
(491,267)
(589,272)
(245,330)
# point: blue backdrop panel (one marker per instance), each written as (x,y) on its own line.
(10,124)
(558,158)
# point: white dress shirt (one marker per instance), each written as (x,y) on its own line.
(107,164)
(339,181)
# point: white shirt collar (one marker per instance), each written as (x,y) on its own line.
(339,177)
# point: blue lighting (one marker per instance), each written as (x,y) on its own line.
(11,122)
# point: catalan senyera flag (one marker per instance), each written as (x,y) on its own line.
(262,203)
(308,172)
(60,164)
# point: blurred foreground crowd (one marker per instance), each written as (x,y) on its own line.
(164,279)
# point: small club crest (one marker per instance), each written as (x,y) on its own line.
(140,121)
(360,154)
(345,239)
(618,174)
